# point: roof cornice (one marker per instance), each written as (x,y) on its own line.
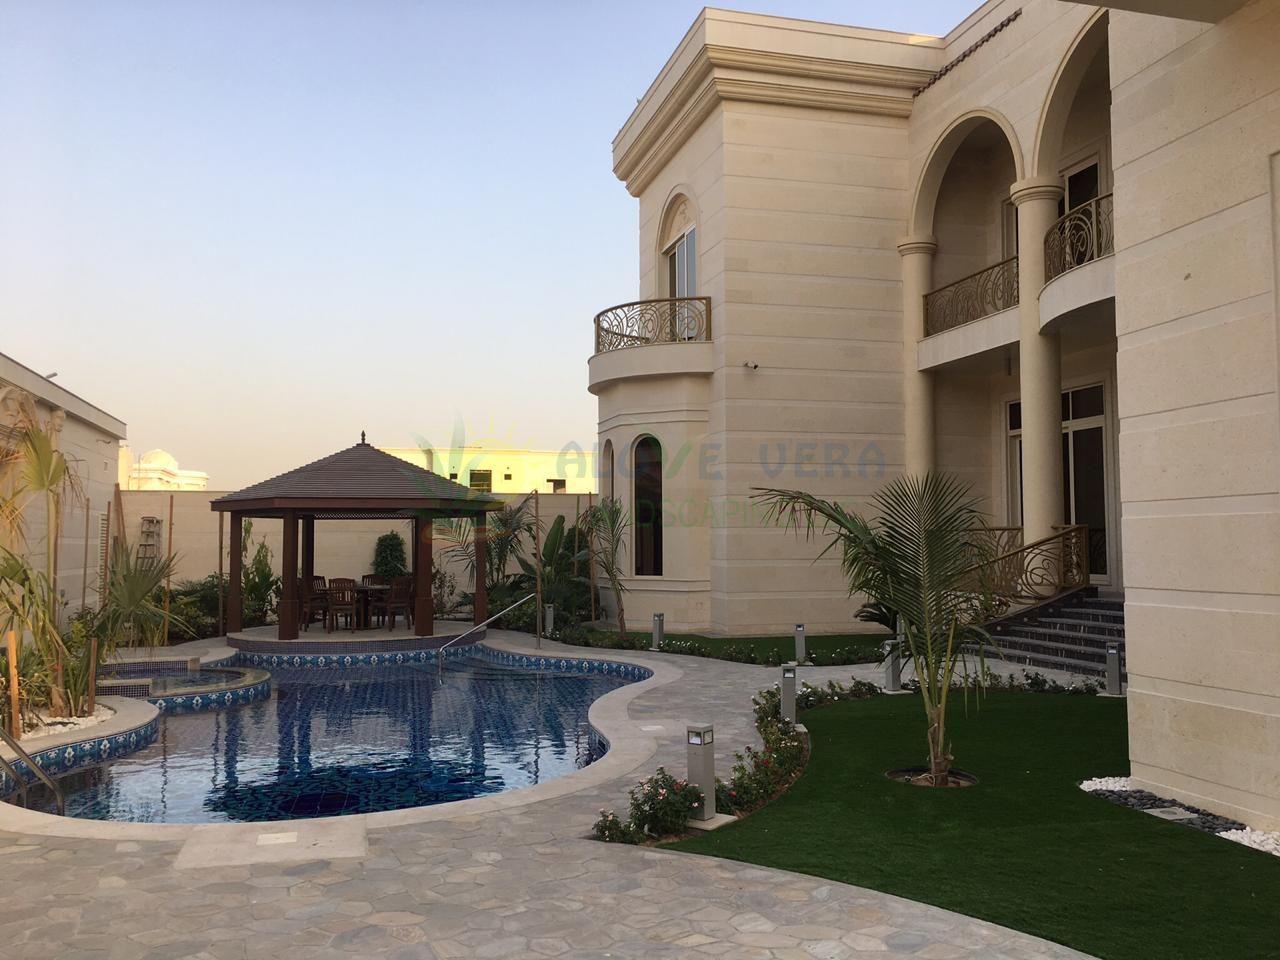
(719,73)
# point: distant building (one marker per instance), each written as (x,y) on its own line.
(157,470)
(90,439)
(503,470)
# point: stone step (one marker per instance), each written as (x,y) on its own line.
(1099,603)
(1024,660)
(1053,648)
(1072,624)
(1078,638)
(1086,613)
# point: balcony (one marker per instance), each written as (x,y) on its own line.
(1085,234)
(676,331)
(645,322)
(978,295)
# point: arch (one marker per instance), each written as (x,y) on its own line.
(646,511)
(1088,43)
(606,470)
(940,156)
(679,215)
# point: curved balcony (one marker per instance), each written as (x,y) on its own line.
(978,295)
(645,322)
(1085,234)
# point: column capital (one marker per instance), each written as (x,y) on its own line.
(917,243)
(1036,188)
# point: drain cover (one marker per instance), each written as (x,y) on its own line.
(1170,813)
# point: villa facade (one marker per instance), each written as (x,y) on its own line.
(1039,253)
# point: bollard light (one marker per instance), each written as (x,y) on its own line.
(800,653)
(701,738)
(788,701)
(1114,686)
(659,631)
(893,667)
(548,618)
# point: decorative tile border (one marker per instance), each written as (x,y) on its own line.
(331,660)
(85,753)
(129,669)
(609,668)
(358,645)
(213,699)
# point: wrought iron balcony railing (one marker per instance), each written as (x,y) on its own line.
(976,296)
(1023,576)
(675,320)
(1083,235)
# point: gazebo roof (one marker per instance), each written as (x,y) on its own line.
(360,481)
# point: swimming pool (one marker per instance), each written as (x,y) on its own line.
(357,739)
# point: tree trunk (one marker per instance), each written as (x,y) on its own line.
(939,760)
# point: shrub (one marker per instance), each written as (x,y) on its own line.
(760,775)
(661,805)
(612,830)
(389,558)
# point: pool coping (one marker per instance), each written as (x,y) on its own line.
(629,748)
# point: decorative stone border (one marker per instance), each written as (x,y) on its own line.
(342,644)
(340,659)
(140,722)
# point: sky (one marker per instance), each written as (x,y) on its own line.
(253,228)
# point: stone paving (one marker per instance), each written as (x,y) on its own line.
(517,882)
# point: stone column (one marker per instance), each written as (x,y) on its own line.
(917,386)
(1040,367)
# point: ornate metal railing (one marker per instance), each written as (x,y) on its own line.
(976,296)
(1038,571)
(1083,235)
(675,320)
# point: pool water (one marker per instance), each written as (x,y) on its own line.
(211,679)
(353,740)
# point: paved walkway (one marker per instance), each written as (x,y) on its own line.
(510,877)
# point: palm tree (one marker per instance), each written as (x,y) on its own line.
(918,556)
(32,469)
(506,533)
(606,525)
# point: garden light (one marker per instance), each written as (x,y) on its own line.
(800,654)
(700,738)
(788,700)
(659,630)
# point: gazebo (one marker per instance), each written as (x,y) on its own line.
(358,483)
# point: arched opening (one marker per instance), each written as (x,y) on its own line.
(1074,145)
(963,204)
(606,470)
(647,508)
(678,249)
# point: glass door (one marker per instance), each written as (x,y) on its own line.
(1084,470)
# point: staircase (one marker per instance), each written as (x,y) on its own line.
(1068,633)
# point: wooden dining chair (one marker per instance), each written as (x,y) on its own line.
(398,599)
(315,599)
(373,580)
(342,600)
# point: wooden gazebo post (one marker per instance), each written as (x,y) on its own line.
(423,601)
(480,530)
(288,612)
(235,584)
(308,550)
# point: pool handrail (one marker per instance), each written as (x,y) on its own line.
(44,778)
(479,626)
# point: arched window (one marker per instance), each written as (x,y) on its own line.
(647,511)
(606,470)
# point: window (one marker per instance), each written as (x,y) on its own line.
(506,476)
(557,485)
(1081,184)
(648,507)
(453,476)
(606,470)
(682,274)
(481,481)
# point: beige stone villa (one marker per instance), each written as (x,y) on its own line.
(1039,252)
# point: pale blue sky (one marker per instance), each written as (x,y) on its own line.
(251,229)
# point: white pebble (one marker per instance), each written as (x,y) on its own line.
(1258,839)
(1106,783)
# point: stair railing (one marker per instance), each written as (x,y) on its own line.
(35,768)
(1034,573)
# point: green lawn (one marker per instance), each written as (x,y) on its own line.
(1025,847)
(782,648)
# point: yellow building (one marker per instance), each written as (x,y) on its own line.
(508,470)
(1038,252)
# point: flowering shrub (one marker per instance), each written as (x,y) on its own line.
(768,703)
(759,775)
(660,805)
(1032,681)
(612,830)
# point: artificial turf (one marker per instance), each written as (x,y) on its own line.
(783,648)
(1025,848)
